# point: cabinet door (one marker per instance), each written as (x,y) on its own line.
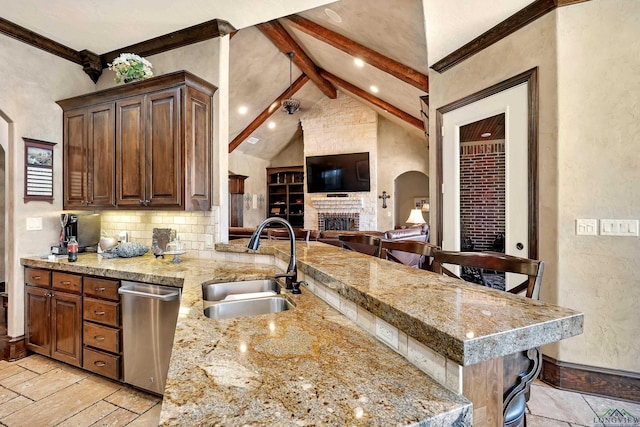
(66,328)
(130,152)
(100,157)
(164,155)
(197,135)
(75,165)
(38,330)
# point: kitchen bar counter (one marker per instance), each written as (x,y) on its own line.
(307,366)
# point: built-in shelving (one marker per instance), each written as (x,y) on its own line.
(285,189)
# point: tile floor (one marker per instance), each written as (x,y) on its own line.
(37,391)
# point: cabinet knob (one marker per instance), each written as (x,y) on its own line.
(99,313)
(65,282)
(99,338)
(99,289)
(37,277)
(100,363)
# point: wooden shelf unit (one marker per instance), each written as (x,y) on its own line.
(285,194)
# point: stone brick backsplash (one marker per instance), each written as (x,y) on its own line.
(192,227)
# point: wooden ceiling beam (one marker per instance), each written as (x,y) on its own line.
(275,32)
(372,99)
(371,57)
(262,117)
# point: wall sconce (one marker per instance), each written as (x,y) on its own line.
(247,200)
(261,200)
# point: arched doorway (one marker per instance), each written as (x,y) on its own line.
(408,187)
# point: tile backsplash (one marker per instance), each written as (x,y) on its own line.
(192,227)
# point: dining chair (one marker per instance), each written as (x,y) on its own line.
(409,252)
(363,243)
(282,234)
(494,261)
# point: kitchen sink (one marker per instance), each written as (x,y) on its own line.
(248,307)
(239,290)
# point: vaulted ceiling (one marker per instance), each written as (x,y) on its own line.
(389,35)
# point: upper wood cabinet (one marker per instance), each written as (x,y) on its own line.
(154,140)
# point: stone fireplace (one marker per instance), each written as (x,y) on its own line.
(338,213)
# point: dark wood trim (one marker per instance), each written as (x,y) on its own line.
(267,112)
(91,64)
(606,382)
(197,33)
(17,32)
(13,348)
(510,25)
(371,57)
(275,32)
(372,99)
(530,77)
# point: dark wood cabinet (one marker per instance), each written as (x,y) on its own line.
(286,194)
(156,153)
(236,200)
(89,148)
(54,316)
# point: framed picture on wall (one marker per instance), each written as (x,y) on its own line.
(38,170)
(418,202)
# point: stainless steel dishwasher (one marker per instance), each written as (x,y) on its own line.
(149,315)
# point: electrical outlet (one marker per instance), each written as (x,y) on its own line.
(387,333)
(208,241)
(586,227)
(34,224)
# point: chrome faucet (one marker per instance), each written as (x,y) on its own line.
(291,276)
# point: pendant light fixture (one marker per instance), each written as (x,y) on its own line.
(290,105)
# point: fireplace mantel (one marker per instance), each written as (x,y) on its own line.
(352,204)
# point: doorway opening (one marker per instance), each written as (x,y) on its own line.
(408,187)
(4,144)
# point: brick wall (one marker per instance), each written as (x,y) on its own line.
(482,191)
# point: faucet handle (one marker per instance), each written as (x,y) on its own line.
(296,288)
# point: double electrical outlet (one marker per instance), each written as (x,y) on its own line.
(608,227)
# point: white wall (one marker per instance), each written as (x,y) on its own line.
(31,80)
(256,183)
(399,151)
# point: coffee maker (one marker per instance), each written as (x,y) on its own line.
(84,227)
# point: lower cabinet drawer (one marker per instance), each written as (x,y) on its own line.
(102,363)
(101,337)
(105,312)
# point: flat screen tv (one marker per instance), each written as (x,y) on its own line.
(338,173)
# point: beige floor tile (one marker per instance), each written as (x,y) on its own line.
(535,421)
(48,383)
(133,400)
(4,364)
(62,405)
(119,417)
(151,418)
(22,376)
(6,395)
(90,415)
(13,405)
(560,405)
(10,371)
(601,405)
(38,363)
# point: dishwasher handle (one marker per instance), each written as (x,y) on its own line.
(165,297)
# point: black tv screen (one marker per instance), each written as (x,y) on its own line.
(338,173)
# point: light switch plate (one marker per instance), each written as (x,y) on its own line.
(208,241)
(586,227)
(619,227)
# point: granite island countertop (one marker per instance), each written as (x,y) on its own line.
(306,366)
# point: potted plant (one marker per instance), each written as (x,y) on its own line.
(131,67)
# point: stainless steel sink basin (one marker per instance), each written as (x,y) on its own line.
(248,307)
(237,290)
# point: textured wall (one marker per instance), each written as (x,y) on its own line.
(336,126)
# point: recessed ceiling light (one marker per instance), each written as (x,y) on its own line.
(272,125)
(333,15)
(243,110)
(486,135)
(374,89)
(359,62)
(252,140)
